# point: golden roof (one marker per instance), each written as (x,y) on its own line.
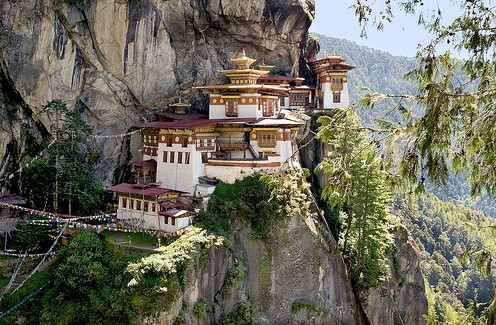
(243,62)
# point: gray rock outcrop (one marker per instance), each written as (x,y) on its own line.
(401,299)
(296,276)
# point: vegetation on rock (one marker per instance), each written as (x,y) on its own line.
(247,200)
(244,314)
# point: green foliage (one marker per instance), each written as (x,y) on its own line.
(244,314)
(29,237)
(31,307)
(175,256)
(247,199)
(201,308)
(455,123)
(158,279)
(87,285)
(63,175)
(288,190)
(358,187)
(300,304)
(234,278)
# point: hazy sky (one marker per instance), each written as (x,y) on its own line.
(401,37)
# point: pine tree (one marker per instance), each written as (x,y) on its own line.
(358,187)
(64,171)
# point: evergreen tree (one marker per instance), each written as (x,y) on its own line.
(358,187)
(63,174)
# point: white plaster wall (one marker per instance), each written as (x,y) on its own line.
(174,175)
(345,100)
(204,190)
(229,174)
(150,218)
(180,224)
(217,111)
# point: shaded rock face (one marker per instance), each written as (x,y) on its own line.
(298,264)
(119,60)
(401,300)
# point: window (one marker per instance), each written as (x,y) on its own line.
(267,139)
(186,158)
(173,221)
(165,156)
(204,158)
(299,99)
(336,97)
(171,157)
(131,204)
(185,142)
(267,107)
(179,157)
(145,206)
(169,141)
(337,84)
(205,144)
(154,207)
(138,205)
(232,107)
(281,101)
(124,203)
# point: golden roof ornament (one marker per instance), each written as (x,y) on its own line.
(243,62)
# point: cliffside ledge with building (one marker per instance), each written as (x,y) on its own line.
(120,61)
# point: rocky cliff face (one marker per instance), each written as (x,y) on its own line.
(118,60)
(297,276)
(401,299)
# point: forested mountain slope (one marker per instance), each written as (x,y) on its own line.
(443,232)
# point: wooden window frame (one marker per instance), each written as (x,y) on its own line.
(267,139)
(268,107)
(231,105)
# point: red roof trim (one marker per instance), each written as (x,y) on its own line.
(140,189)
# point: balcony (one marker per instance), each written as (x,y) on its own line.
(232,145)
